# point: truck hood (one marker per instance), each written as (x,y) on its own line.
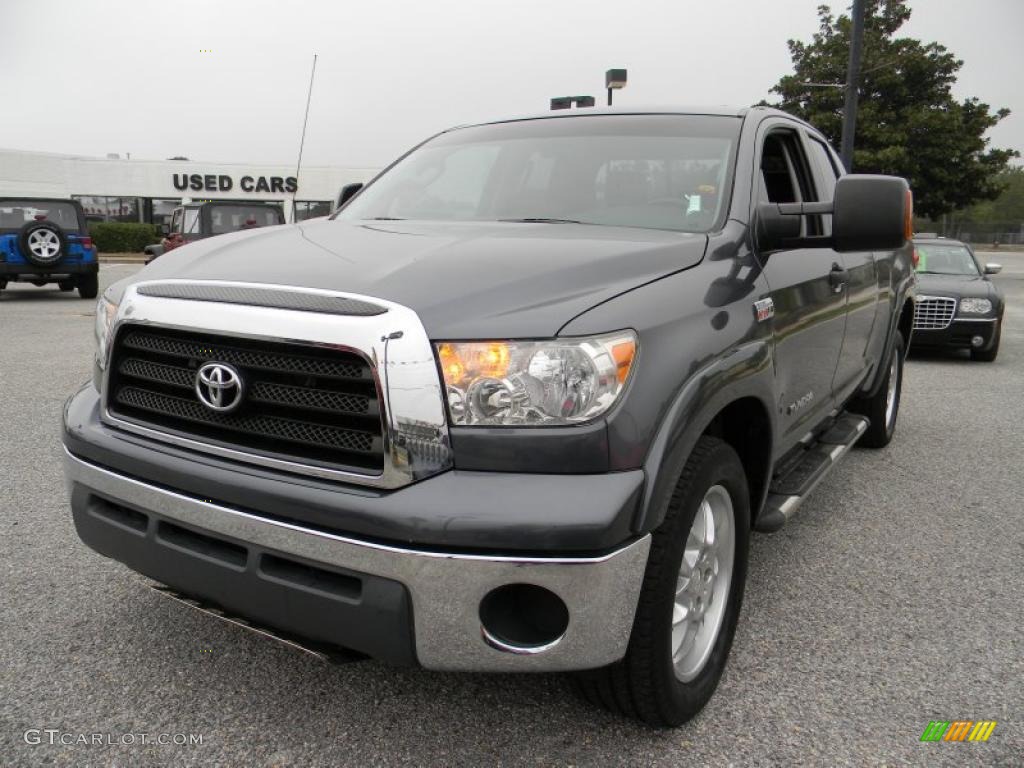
(466,280)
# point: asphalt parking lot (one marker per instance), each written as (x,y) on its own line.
(894,598)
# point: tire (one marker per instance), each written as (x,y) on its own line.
(42,243)
(876,408)
(66,285)
(989,355)
(88,286)
(644,685)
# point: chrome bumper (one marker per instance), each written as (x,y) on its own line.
(446,589)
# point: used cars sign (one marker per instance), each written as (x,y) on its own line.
(209,182)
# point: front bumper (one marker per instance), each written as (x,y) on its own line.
(13,272)
(957,335)
(399,604)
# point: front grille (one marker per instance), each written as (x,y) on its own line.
(933,313)
(301,403)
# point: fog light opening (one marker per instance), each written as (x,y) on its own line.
(523,618)
(977,341)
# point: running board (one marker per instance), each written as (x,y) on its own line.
(788,492)
(324,653)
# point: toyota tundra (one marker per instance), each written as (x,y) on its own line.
(516,406)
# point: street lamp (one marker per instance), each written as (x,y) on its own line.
(613,80)
(566,102)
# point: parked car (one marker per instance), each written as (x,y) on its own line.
(958,307)
(197,221)
(517,406)
(45,240)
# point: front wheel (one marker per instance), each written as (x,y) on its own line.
(88,286)
(883,409)
(691,596)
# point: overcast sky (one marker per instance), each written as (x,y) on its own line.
(97,76)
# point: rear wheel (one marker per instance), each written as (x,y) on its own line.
(989,355)
(884,407)
(88,286)
(691,596)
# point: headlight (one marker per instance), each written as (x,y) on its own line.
(535,383)
(975,306)
(105,311)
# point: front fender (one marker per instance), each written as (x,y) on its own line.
(745,372)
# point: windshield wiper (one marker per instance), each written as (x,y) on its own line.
(385,218)
(542,220)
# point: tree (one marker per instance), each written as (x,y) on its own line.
(908,122)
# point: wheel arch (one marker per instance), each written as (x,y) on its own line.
(905,325)
(730,399)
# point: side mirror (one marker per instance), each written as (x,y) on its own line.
(347,193)
(993,269)
(775,229)
(165,229)
(871,213)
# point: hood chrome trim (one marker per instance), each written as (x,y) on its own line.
(394,344)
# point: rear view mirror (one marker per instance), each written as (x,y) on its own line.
(347,193)
(993,269)
(871,213)
(775,229)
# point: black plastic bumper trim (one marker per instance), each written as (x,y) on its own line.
(352,611)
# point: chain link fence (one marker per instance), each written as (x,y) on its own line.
(991,233)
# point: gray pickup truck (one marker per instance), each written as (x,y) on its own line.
(517,406)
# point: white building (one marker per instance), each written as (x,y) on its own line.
(148,190)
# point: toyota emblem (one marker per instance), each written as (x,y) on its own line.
(219,387)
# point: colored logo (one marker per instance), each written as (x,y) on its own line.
(958,730)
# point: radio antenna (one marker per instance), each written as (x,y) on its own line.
(302,141)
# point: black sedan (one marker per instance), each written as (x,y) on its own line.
(958,306)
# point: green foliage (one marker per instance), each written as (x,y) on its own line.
(122,237)
(1008,207)
(908,122)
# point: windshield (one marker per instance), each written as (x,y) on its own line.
(652,171)
(14,214)
(945,260)
(231,218)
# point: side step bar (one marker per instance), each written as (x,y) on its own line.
(324,653)
(788,491)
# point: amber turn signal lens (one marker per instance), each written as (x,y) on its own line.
(623,354)
(452,365)
(908,217)
(494,360)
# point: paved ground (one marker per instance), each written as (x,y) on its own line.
(893,599)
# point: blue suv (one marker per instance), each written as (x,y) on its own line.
(45,240)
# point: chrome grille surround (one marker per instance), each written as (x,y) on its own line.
(393,343)
(933,313)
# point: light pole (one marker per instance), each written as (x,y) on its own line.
(614,79)
(852,75)
(567,102)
